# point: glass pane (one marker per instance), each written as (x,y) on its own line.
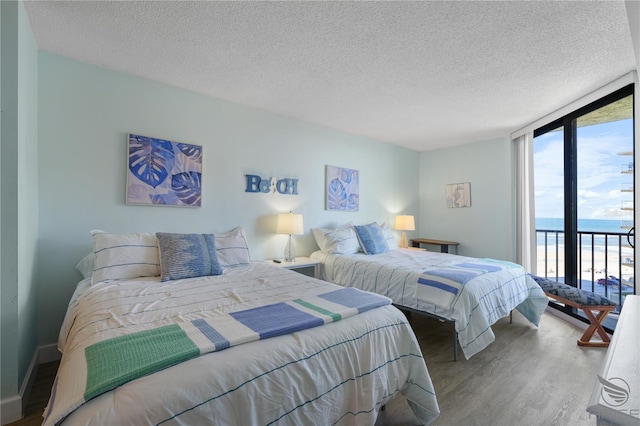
(604,148)
(548,160)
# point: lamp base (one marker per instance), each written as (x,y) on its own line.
(403,241)
(289,251)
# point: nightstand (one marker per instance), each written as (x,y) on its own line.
(300,265)
(444,245)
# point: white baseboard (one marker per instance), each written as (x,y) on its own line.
(12,408)
(568,318)
(48,353)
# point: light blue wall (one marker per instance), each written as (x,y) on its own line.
(27,192)
(486,228)
(85,113)
(19,205)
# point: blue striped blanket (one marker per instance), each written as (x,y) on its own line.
(449,282)
(115,361)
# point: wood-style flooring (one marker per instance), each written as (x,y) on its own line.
(528,376)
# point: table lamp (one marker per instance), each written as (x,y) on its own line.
(405,223)
(291,224)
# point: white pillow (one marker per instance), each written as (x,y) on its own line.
(85,266)
(232,248)
(392,244)
(121,256)
(342,240)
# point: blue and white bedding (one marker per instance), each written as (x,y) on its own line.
(474,293)
(256,345)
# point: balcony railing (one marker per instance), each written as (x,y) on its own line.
(605,262)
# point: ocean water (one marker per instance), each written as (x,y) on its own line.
(584,225)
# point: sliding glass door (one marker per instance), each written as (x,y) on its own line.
(584,203)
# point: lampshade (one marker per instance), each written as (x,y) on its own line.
(405,223)
(290,223)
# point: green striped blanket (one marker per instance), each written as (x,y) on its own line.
(113,362)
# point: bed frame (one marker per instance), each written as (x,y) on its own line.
(409,311)
(439,318)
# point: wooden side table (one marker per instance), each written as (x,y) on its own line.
(444,245)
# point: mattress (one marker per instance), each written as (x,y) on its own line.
(339,372)
(473,292)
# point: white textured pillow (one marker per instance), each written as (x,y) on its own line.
(342,240)
(187,256)
(120,256)
(392,244)
(232,248)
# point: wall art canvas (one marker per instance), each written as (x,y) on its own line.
(163,173)
(343,189)
(458,195)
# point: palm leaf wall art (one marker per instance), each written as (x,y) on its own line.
(161,172)
(342,189)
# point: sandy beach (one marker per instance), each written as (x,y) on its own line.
(591,269)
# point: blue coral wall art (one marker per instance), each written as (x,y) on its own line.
(343,189)
(162,172)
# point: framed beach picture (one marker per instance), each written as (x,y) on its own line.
(342,189)
(163,173)
(458,195)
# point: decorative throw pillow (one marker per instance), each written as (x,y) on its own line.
(121,256)
(187,256)
(392,244)
(232,248)
(371,238)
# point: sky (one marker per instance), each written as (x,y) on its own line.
(599,172)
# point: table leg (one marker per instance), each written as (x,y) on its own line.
(316,271)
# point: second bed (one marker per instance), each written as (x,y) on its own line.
(474,293)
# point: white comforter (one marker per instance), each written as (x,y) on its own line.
(479,303)
(338,373)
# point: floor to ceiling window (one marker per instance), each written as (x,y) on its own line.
(584,197)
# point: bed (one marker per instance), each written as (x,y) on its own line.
(252,345)
(473,293)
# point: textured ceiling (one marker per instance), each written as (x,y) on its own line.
(423,75)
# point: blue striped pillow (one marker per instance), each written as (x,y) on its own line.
(371,238)
(187,256)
